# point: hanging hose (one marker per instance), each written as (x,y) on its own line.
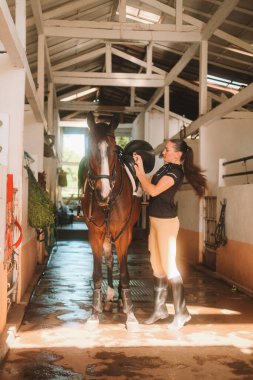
(220,231)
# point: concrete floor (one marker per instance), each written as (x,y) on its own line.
(55,343)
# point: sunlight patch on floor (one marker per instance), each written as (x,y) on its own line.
(111,335)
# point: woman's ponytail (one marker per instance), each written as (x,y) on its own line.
(192,172)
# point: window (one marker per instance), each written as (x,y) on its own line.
(73,150)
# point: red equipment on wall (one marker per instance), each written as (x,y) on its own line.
(11,222)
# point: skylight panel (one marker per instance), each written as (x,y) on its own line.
(219,80)
(140,15)
(79,94)
(149,16)
(226,83)
(132,11)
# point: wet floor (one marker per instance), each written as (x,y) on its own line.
(55,342)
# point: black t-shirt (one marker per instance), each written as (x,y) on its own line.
(162,205)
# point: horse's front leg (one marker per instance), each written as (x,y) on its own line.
(96,242)
(107,246)
(128,308)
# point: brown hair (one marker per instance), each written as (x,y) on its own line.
(192,172)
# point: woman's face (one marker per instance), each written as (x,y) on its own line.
(169,154)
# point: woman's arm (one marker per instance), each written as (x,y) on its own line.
(163,184)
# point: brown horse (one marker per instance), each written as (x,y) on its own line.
(110,211)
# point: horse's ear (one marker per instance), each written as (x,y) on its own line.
(90,120)
(115,121)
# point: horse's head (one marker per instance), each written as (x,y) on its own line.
(102,158)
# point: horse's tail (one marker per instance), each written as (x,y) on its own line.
(82,172)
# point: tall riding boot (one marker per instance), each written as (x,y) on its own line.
(182,315)
(160,297)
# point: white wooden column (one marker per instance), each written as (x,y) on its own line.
(108,58)
(179,14)
(122,10)
(20,20)
(166,111)
(146,126)
(41,69)
(132,96)
(149,58)
(50,107)
(203,101)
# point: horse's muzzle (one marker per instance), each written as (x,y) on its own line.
(102,201)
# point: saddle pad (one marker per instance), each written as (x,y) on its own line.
(137,191)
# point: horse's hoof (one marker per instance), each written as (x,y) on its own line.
(108,306)
(92,321)
(132,326)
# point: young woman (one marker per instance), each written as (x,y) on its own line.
(164,224)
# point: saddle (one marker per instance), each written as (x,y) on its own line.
(145,150)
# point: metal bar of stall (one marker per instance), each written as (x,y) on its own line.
(237,174)
(238,160)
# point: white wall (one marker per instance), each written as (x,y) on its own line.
(3,176)
(239,212)
(188,210)
(12,98)
(34,137)
(230,139)
(50,168)
(138,127)
(12,102)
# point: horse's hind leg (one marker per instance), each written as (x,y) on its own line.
(131,323)
(107,246)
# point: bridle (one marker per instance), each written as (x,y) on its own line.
(92,178)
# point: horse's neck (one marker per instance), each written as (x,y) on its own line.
(122,179)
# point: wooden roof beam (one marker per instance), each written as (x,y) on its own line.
(243,97)
(193,21)
(108,79)
(16,52)
(217,19)
(37,14)
(90,106)
(114,31)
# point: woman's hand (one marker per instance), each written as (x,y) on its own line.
(138,163)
